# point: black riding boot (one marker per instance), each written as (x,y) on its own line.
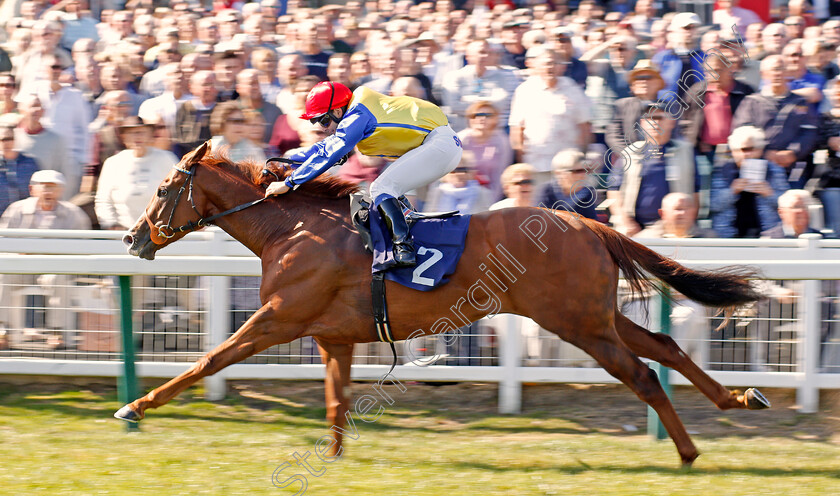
(391,211)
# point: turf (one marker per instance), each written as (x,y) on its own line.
(61,439)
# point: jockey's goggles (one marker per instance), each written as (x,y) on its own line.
(325,118)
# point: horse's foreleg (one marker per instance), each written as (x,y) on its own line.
(621,363)
(337,358)
(256,334)
(663,349)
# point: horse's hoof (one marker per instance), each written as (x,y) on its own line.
(688,460)
(127,414)
(755,400)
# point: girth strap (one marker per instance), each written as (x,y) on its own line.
(380,313)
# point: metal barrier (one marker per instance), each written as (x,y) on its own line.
(192,296)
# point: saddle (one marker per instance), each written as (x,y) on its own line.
(360,207)
(359,214)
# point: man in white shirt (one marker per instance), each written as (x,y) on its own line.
(549,113)
(130,177)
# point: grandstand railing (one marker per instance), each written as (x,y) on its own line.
(190,309)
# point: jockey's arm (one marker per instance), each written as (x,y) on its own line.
(324,154)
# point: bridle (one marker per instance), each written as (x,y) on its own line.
(160,234)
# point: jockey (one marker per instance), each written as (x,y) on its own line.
(412,132)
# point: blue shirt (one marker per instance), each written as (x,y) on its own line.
(14,179)
(581,202)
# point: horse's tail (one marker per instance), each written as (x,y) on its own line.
(724,288)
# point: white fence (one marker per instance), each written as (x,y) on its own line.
(216,257)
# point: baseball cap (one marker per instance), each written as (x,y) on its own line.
(47,176)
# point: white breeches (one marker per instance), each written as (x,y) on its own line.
(439,154)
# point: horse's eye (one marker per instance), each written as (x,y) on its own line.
(161,193)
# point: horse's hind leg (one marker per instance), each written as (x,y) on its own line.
(617,359)
(337,358)
(662,348)
(256,334)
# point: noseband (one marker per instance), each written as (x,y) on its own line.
(160,234)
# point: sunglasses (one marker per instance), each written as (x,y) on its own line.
(7,138)
(325,118)
(747,149)
(523,182)
(238,120)
(7,85)
(57,66)
(576,171)
(483,114)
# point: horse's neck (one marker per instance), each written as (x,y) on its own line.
(269,223)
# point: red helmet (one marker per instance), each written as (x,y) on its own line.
(326,96)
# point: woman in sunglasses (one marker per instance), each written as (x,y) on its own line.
(414,133)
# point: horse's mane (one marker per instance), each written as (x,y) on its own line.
(324,186)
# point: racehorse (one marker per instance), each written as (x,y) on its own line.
(560,270)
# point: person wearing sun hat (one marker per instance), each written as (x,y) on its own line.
(129,178)
(683,54)
(44,208)
(645,82)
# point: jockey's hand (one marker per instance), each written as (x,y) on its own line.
(276,188)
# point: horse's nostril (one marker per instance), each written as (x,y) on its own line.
(128,239)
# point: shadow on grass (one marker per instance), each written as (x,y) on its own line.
(582,467)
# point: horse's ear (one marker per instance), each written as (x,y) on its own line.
(199,153)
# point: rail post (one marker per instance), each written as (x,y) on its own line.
(128,380)
(510,385)
(661,312)
(808,315)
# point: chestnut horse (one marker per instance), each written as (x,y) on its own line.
(557,269)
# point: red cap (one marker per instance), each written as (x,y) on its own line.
(326,96)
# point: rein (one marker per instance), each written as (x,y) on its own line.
(166,231)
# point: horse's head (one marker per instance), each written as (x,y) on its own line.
(171,207)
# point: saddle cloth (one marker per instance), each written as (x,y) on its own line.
(439,243)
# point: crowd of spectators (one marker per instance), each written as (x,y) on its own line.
(602,107)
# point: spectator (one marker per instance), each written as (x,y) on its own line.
(477,81)
(77,23)
(829,181)
(513,52)
(15,169)
(742,204)
(289,70)
(264,60)
(250,98)
(683,56)
(794,215)
(549,113)
(360,70)
(645,82)
(789,125)
(226,66)
(459,190)
(638,186)
(67,114)
(729,15)
(689,320)
(47,147)
(130,177)
(44,48)
(44,208)
(712,104)
(88,80)
(561,42)
(568,191)
(518,185)
(153,83)
(678,219)
(315,57)
(489,145)
(192,121)
(408,86)
(115,77)
(286,133)
(802,82)
(167,104)
(7,94)
(228,124)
